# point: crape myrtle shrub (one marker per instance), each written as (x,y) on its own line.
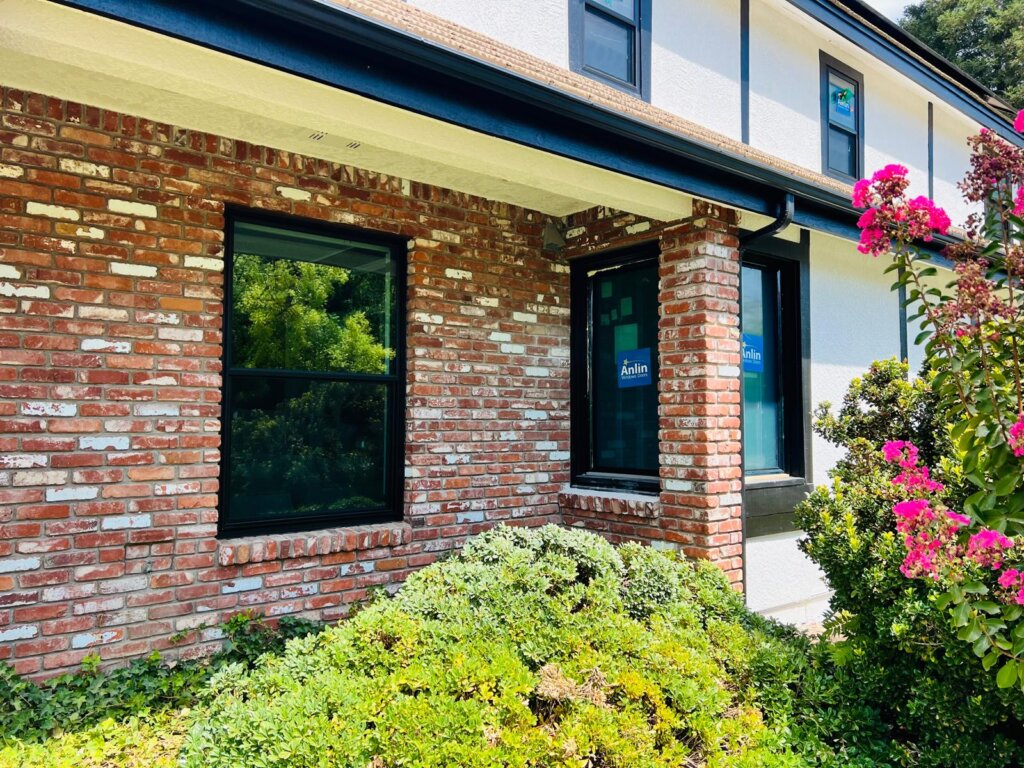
(543,647)
(898,650)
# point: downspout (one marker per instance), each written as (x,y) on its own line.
(783,219)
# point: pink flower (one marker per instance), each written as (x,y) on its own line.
(891,171)
(910,509)
(1018,203)
(1018,124)
(893,450)
(862,193)
(957,518)
(1020,597)
(1008,578)
(986,548)
(1017,436)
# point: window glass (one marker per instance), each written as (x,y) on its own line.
(762,395)
(306,302)
(624,375)
(842,152)
(842,102)
(303,448)
(608,46)
(625,8)
(311,382)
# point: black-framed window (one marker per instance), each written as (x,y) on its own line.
(775,327)
(615,371)
(842,120)
(610,40)
(313,385)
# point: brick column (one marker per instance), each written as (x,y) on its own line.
(700,396)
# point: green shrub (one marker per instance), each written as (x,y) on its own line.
(72,702)
(898,656)
(532,647)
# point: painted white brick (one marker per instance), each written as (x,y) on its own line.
(559,456)
(52,211)
(49,409)
(547,445)
(180,334)
(159,381)
(524,317)
(242,585)
(446,237)
(104,443)
(513,349)
(49,477)
(458,274)
(23,632)
(535,415)
(11,171)
(89,639)
(101,313)
(24,291)
(74,493)
(127,584)
(158,409)
(23,460)
(133,270)
(292,193)
(640,226)
(10,271)
(486,301)
(15,564)
(202,262)
(131,208)
(126,521)
(92,232)
(574,232)
(500,336)
(105,345)
(539,372)
(70,165)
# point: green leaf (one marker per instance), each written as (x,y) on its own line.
(1007,676)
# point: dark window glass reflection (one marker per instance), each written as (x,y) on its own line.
(624,370)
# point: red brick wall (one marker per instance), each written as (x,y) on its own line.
(111,249)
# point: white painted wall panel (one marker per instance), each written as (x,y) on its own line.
(782,582)
(952,160)
(784,87)
(896,125)
(695,62)
(539,27)
(854,320)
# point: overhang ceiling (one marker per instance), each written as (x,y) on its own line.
(67,53)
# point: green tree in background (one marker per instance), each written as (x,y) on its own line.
(985,38)
(287,321)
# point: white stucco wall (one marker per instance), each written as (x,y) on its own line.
(855,320)
(695,62)
(784,87)
(782,582)
(539,27)
(952,160)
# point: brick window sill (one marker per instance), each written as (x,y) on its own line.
(286,546)
(610,502)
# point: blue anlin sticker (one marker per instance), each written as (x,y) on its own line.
(634,367)
(753,353)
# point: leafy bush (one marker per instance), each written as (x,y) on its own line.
(95,713)
(899,656)
(532,647)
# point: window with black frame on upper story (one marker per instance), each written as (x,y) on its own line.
(609,40)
